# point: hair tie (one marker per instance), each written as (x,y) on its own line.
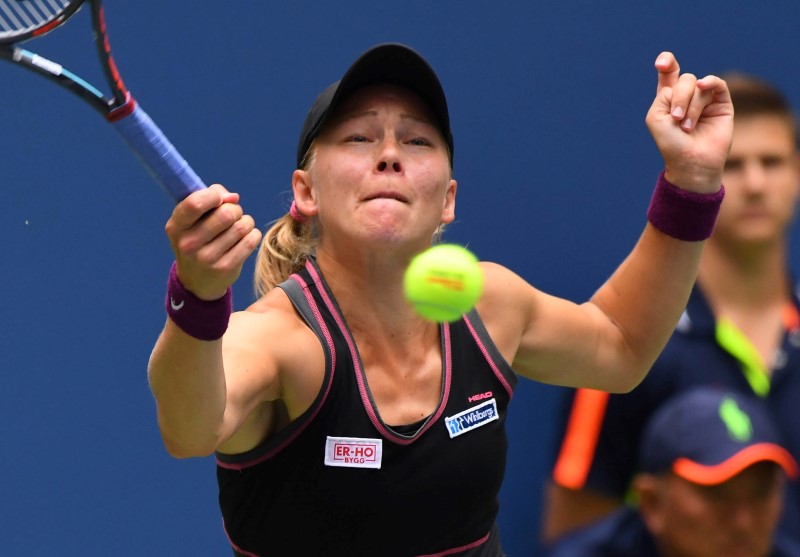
(297,215)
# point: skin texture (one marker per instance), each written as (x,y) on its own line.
(743,270)
(736,518)
(379,187)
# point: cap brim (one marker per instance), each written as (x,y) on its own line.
(396,64)
(704,474)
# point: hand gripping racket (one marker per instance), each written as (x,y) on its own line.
(22,20)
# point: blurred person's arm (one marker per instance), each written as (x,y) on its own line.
(567,509)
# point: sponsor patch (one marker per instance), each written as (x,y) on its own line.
(472,418)
(353,452)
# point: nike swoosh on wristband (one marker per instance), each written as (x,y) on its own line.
(175,306)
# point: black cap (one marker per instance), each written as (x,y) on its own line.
(391,63)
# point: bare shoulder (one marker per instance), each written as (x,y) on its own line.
(274,368)
(278,349)
(534,331)
(506,307)
(506,293)
(271,315)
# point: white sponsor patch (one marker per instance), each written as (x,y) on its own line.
(471,418)
(353,452)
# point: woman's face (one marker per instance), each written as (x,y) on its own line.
(381,172)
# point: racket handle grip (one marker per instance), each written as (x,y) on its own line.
(157,154)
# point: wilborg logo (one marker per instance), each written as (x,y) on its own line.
(472,418)
(353,452)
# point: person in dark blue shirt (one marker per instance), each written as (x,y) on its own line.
(711,484)
(740,328)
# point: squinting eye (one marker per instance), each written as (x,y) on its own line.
(419,142)
(358,138)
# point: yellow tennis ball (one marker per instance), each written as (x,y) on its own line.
(443,282)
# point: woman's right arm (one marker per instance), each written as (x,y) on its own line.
(202,395)
(214,395)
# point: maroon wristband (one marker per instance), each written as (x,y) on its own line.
(683,214)
(201,319)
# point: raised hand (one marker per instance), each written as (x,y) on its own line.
(691,121)
(211,237)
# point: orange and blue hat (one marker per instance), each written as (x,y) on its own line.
(707,436)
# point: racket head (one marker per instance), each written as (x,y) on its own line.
(21,20)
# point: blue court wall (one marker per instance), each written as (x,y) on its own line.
(555,169)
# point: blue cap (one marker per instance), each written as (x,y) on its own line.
(707,436)
(385,63)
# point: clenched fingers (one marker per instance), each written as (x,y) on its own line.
(195,206)
(215,252)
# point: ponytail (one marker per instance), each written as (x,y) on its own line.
(283,251)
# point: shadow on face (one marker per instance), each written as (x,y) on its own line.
(736,518)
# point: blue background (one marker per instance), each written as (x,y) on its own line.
(555,170)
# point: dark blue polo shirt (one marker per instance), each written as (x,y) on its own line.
(601,433)
(624,534)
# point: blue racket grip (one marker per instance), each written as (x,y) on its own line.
(157,154)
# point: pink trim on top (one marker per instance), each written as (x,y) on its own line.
(360,377)
(328,339)
(234,546)
(472,545)
(489,359)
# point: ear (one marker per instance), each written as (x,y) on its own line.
(304,193)
(648,488)
(449,203)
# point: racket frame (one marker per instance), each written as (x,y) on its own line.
(137,129)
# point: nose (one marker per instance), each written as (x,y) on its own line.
(755,176)
(389,158)
(743,516)
(390,165)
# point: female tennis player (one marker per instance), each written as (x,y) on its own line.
(342,422)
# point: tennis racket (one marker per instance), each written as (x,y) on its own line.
(22,20)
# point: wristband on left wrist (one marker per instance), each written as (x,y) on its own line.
(682,214)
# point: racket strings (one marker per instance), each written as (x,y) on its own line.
(20,17)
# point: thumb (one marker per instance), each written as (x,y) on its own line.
(225,196)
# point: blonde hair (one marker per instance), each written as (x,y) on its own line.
(285,247)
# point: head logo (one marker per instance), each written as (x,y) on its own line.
(737,422)
(480,396)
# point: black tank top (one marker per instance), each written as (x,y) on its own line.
(339,481)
